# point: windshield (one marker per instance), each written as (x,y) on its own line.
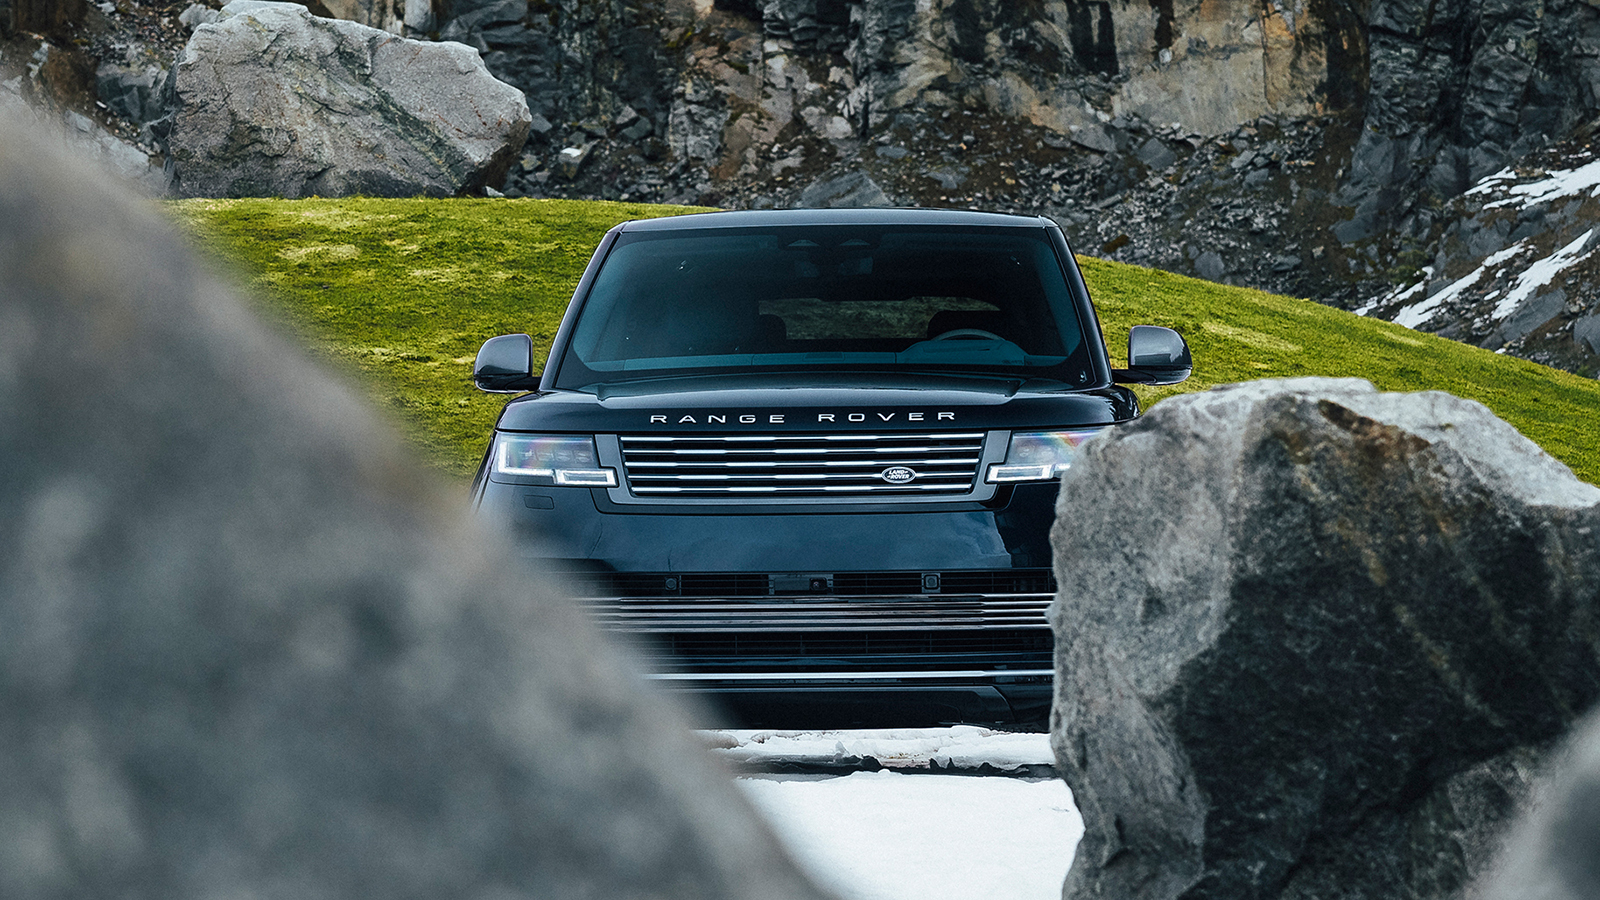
(865,298)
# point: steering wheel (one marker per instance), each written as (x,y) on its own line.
(976,333)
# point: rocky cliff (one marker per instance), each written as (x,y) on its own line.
(1313,147)
(1308,147)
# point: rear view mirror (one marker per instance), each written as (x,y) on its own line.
(505,365)
(1155,356)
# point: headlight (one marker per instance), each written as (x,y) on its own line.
(1038,455)
(563,460)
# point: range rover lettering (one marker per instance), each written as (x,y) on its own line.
(808,458)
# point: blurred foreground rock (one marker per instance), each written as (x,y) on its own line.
(272,101)
(1555,854)
(1312,641)
(252,651)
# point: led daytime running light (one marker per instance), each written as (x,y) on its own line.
(1038,455)
(562,459)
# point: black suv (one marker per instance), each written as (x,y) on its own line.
(808,457)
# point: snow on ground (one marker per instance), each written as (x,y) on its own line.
(963,746)
(1503,185)
(893,835)
(1417,313)
(1542,273)
(1554,186)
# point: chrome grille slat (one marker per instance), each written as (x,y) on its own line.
(808,451)
(674,615)
(831,465)
(738,464)
(801,476)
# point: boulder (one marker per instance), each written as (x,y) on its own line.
(1311,639)
(851,189)
(252,650)
(272,101)
(1555,853)
(130,92)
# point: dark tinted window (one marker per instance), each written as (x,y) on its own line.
(865,298)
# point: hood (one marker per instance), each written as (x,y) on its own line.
(898,403)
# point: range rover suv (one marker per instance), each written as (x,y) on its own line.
(808,458)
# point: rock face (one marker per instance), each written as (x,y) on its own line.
(1319,148)
(251,652)
(1515,268)
(1311,640)
(1459,88)
(272,101)
(1555,853)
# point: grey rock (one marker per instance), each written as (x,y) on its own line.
(418,17)
(272,101)
(1587,330)
(196,15)
(694,128)
(1555,852)
(514,37)
(112,154)
(1155,154)
(852,189)
(1340,628)
(131,93)
(1209,265)
(252,650)
(1533,312)
(1093,137)
(949,179)
(638,130)
(571,159)
(504,12)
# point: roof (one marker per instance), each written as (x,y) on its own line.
(763,218)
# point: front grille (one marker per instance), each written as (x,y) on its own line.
(860,651)
(860,465)
(731,625)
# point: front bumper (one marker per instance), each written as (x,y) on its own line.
(960,646)
(818,619)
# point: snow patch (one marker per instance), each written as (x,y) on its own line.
(1490,182)
(965,746)
(1398,295)
(1414,315)
(891,836)
(1542,273)
(1561,183)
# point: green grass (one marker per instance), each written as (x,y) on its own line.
(404,291)
(1238,334)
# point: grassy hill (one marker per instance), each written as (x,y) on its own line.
(404,291)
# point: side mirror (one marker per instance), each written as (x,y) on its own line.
(505,365)
(1155,356)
